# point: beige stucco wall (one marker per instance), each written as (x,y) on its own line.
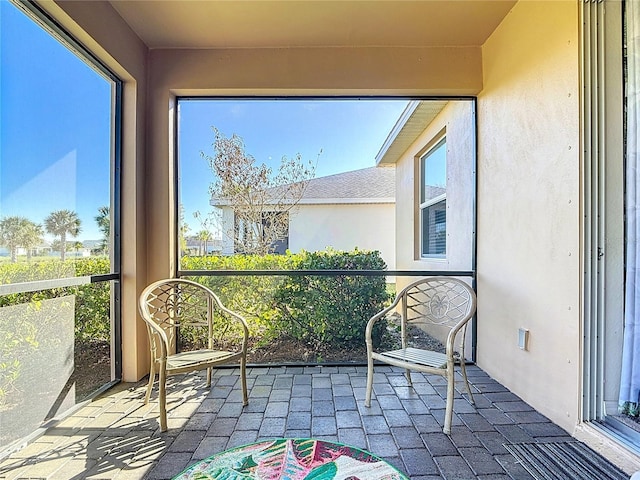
(529,268)
(456,122)
(344,227)
(320,70)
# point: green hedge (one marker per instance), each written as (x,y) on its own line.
(316,309)
(21,328)
(331,310)
(319,310)
(92,301)
(250,296)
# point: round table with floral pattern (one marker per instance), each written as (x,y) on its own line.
(293,459)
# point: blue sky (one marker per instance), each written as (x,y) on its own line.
(55,114)
(55,118)
(347,132)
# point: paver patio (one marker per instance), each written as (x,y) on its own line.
(117,437)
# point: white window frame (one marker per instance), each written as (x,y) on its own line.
(441,141)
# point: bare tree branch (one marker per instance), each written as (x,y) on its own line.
(262,201)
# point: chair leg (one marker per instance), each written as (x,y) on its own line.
(209,377)
(450,394)
(152,377)
(162,396)
(463,368)
(243,381)
(407,374)
(367,399)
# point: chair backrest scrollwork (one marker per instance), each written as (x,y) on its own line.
(185,314)
(438,301)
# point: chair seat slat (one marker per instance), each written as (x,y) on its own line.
(197,357)
(421,357)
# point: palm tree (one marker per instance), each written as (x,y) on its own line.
(32,237)
(76,246)
(182,231)
(60,223)
(203,236)
(12,234)
(103,219)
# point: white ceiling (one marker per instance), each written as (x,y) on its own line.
(311,23)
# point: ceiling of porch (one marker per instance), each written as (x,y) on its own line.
(311,23)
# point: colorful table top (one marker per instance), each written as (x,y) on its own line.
(293,459)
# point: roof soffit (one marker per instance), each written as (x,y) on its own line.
(413,121)
(217,24)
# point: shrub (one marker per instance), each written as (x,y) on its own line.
(25,330)
(249,295)
(319,310)
(331,310)
(92,301)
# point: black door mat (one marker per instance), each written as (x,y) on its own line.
(564,461)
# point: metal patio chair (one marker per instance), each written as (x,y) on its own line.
(443,302)
(176,308)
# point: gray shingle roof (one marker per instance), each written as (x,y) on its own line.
(373,183)
(367,185)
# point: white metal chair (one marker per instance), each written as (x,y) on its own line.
(438,301)
(174,306)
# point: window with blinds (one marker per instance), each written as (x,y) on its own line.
(433,201)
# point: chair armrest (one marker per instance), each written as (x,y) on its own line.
(453,333)
(232,314)
(241,319)
(400,296)
(154,330)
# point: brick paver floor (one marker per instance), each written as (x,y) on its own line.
(117,437)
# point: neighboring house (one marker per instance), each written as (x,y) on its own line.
(344,211)
(432,149)
(41,250)
(93,245)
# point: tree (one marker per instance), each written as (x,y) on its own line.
(62,223)
(262,202)
(56,246)
(103,219)
(75,246)
(203,237)
(183,229)
(33,235)
(207,223)
(18,232)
